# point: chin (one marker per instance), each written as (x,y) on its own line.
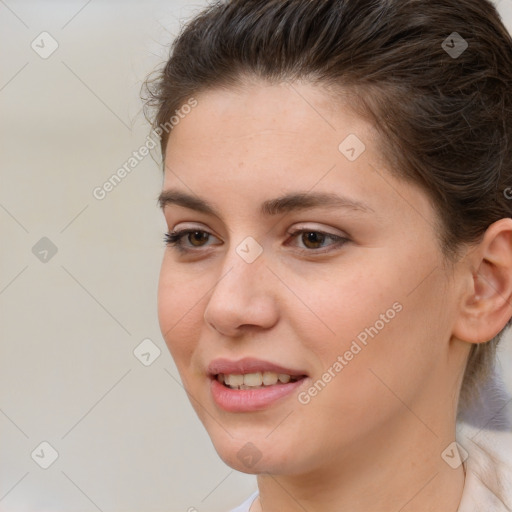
(249,459)
(248,451)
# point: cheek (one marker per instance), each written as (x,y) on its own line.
(381,310)
(345,306)
(390,334)
(179,312)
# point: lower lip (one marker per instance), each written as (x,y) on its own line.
(248,400)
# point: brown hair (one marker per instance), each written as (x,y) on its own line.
(444,118)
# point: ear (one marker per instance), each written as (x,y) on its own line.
(487,305)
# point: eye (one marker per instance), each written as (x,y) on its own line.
(194,236)
(313,240)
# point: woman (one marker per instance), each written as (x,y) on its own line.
(339,262)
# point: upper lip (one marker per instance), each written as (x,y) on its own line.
(248,365)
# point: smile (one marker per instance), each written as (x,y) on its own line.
(250,384)
(255,380)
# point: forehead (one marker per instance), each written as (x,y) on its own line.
(274,128)
(293,110)
(243,147)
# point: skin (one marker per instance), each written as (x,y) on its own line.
(372,439)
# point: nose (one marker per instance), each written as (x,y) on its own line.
(243,299)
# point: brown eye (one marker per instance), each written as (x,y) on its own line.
(314,238)
(314,242)
(194,237)
(198,236)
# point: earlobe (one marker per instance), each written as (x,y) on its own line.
(487,306)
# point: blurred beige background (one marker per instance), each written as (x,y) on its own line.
(79,274)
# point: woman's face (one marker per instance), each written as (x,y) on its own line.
(363,321)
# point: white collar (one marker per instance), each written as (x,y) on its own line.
(488,484)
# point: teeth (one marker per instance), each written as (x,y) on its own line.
(254,380)
(269,378)
(234,380)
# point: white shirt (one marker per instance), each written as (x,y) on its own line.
(246,505)
(488,483)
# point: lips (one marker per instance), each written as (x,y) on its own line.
(249,365)
(249,398)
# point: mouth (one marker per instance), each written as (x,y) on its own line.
(250,384)
(256,380)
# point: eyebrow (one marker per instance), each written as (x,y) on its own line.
(295,201)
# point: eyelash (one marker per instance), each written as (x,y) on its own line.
(174,240)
